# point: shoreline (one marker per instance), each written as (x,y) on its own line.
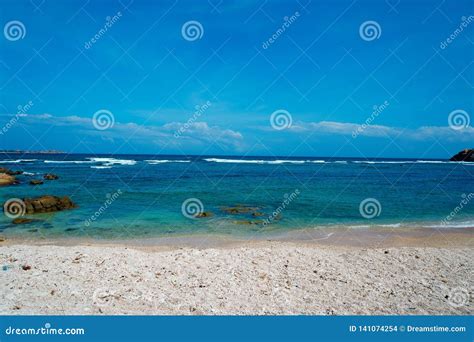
(339,237)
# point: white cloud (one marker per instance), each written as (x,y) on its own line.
(421,133)
(196,133)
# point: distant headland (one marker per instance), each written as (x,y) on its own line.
(31,152)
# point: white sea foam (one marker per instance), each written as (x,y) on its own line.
(69,161)
(113,161)
(459,224)
(101,167)
(162,161)
(254,161)
(17,161)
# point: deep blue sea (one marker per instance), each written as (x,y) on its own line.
(137,196)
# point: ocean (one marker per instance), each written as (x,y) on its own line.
(140,196)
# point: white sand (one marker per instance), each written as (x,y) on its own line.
(261,278)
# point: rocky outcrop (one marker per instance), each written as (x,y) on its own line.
(465,155)
(6,179)
(50,176)
(46,204)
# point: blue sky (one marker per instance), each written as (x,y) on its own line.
(318,69)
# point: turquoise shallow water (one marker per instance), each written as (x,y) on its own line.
(136,196)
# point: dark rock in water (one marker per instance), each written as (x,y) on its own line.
(465,155)
(257,214)
(10,172)
(50,176)
(70,229)
(36,182)
(6,179)
(33,230)
(239,209)
(46,204)
(204,214)
(22,220)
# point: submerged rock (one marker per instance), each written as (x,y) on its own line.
(204,214)
(464,155)
(45,204)
(50,176)
(36,182)
(248,222)
(239,209)
(22,220)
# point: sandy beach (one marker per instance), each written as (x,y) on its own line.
(404,275)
